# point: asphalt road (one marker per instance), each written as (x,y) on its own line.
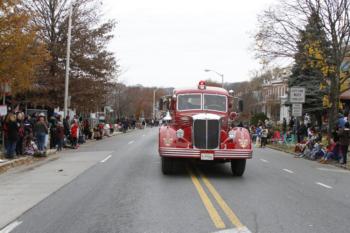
(125,191)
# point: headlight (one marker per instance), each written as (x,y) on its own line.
(232,134)
(180,133)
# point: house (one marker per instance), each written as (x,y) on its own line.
(275,94)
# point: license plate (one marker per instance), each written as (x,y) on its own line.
(207,156)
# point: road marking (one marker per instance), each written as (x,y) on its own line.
(105,159)
(143,135)
(10,227)
(235,230)
(228,211)
(324,185)
(333,170)
(131,142)
(214,215)
(264,160)
(287,170)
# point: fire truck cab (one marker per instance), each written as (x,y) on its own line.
(198,125)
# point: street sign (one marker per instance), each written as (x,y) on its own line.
(297,95)
(297,110)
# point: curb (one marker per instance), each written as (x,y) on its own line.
(292,153)
(26,160)
(282,150)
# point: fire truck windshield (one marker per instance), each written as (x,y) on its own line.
(189,102)
(194,102)
(215,102)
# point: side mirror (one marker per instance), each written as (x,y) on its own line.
(240,105)
(233,115)
(167,117)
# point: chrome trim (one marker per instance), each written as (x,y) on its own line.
(216,117)
(206,133)
(195,153)
(206,116)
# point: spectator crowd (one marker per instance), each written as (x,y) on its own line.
(309,141)
(35,134)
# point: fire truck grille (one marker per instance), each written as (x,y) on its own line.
(206,134)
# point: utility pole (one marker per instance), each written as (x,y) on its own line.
(154,103)
(66,83)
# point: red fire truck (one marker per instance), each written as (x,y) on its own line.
(197,126)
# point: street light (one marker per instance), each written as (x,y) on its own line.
(221,75)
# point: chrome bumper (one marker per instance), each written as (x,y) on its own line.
(195,153)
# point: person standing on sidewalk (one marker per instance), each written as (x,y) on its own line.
(53,132)
(12,135)
(66,125)
(264,134)
(21,133)
(74,133)
(40,131)
(344,137)
(302,132)
(258,135)
(60,135)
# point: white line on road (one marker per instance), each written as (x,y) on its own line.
(131,142)
(235,230)
(105,159)
(264,160)
(324,185)
(143,135)
(287,170)
(10,227)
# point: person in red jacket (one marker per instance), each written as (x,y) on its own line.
(74,129)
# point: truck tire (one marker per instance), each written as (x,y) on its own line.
(167,166)
(238,166)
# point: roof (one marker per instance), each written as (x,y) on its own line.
(209,89)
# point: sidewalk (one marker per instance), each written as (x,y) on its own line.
(5,164)
(290,150)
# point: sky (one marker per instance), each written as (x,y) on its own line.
(170,43)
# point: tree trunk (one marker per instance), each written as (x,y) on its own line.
(334,101)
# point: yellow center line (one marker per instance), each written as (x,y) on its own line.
(214,215)
(228,211)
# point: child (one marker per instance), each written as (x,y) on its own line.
(30,147)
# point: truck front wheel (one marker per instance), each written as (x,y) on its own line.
(238,166)
(167,165)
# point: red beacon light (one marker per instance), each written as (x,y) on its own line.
(201,85)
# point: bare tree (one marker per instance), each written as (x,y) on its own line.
(92,67)
(279,28)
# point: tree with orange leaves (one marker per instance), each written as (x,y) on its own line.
(21,52)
